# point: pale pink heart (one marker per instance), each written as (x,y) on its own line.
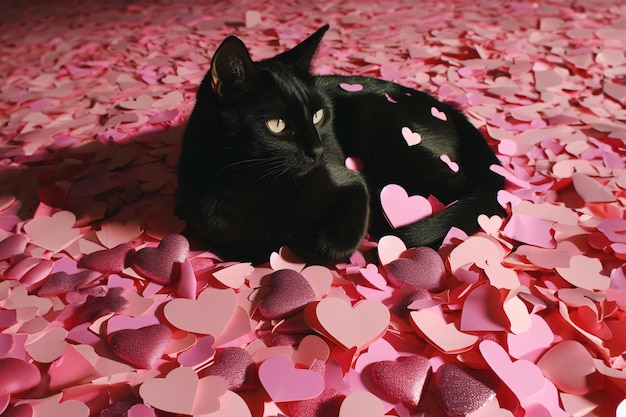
(403,379)
(209,314)
(53,233)
(585,272)
(143,102)
(141,347)
(353,163)
(613,229)
(461,390)
(286,259)
(199,354)
(353,326)
(371,274)
(283,382)
(231,405)
(233,276)
(444,336)
(310,349)
(389,249)
(491,225)
(159,264)
(141,410)
(352,88)
(114,234)
(590,190)
(532,343)
(320,279)
(411,138)
(362,404)
(169,100)
(438,114)
(48,346)
(181,391)
(400,209)
(557,362)
(482,310)
(52,407)
(454,167)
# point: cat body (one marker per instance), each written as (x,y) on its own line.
(264,154)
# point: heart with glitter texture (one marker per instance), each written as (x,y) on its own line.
(461,390)
(141,347)
(236,366)
(400,209)
(288,293)
(158,264)
(403,379)
(112,260)
(62,282)
(283,382)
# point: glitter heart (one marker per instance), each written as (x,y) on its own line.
(141,347)
(400,209)
(461,390)
(289,292)
(236,366)
(426,270)
(158,264)
(403,379)
(109,260)
(62,282)
(328,403)
(411,138)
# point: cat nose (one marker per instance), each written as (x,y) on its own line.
(315,153)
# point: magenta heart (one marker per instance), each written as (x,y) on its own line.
(17,376)
(426,270)
(95,306)
(108,260)
(289,292)
(236,366)
(159,264)
(141,347)
(402,308)
(62,282)
(12,246)
(461,390)
(403,379)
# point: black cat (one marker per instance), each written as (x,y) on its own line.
(263,159)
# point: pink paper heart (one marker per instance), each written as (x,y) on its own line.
(590,190)
(444,336)
(585,272)
(438,114)
(354,164)
(209,314)
(181,391)
(411,138)
(352,88)
(491,225)
(199,354)
(17,376)
(328,403)
(236,366)
(283,382)
(556,365)
(53,233)
(234,276)
(362,404)
(52,407)
(12,246)
(114,234)
(141,347)
(482,310)
(389,249)
(143,102)
(400,209)
(311,349)
(109,260)
(461,390)
(454,167)
(403,379)
(353,326)
(158,264)
(288,293)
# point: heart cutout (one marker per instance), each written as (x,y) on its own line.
(141,347)
(352,88)
(283,382)
(158,264)
(17,376)
(12,246)
(454,167)
(412,138)
(209,314)
(288,293)
(461,390)
(362,404)
(438,114)
(400,209)
(108,260)
(236,366)
(53,233)
(403,379)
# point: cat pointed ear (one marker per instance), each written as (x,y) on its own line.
(300,56)
(232,69)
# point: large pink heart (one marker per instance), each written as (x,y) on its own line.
(283,382)
(209,314)
(403,379)
(461,390)
(400,209)
(158,264)
(236,366)
(289,292)
(141,347)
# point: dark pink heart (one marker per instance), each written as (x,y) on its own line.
(12,246)
(425,270)
(461,390)
(402,308)
(62,282)
(159,264)
(236,366)
(289,292)
(328,403)
(95,306)
(108,260)
(141,347)
(403,379)
(17,376)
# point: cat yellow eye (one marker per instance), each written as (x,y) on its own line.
(318,117)
(276,125)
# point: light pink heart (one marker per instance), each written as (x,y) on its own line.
(352,88)
(412,138)
(209,314)
(353,163)
(283,382)
(454,167)
(400,209)
(438,114)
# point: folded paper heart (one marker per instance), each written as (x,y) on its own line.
(283,382)
(17,376)
(181,391)
(209,314)
(12,246)
(400,209)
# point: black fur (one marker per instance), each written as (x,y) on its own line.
(246,191)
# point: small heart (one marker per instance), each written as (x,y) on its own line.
(403,379)
(352,88)
(53,233)
(95,307)
(62,282)
(454,167)
(311,349)
(461,390)
(283,382)
(142,347)
(362,404)
(389,249)
(491,225)
(556,365)
(109,260)
(158,264)
(12,246)
(143,102)
(400,209)
(209,314)
(288,293)
(236,366)
(411,138)
(438,114)
(585,272)
(353,163)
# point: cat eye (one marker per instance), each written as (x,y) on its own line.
(276,126)
(318,117)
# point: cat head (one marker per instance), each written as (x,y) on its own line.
(269,113)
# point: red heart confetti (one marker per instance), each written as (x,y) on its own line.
(91,136)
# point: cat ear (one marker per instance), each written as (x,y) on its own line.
(232,69)
(300,56)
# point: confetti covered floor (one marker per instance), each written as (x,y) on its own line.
(97,320)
